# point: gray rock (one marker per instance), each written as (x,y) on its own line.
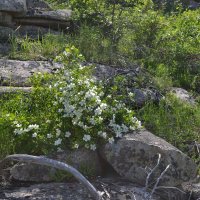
(84,160)
(193,5)
(5,19)
(141,95)
(4,49)
(183,95)
(32,172)
(193,188)
(5,34)
(62,15)
(116,189)
(58,19)
(16,73)
(37,4)
(13,6)
(130,156)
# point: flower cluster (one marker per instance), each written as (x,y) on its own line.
(86,115)
(32,128)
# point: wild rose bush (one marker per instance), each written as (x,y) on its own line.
(84,115)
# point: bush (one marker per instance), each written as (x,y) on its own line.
(175,121)
(67,110)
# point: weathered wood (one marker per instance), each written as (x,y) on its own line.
(58,165)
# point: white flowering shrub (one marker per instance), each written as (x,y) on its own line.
(81,113)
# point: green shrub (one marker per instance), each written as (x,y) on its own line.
(41,49)
(67,109)
(175,121)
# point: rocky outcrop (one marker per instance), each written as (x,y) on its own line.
(116,189)
(84,160)
(132,155)
(142,92)
(5,33)
(193,189)
(16,73)
(14,7)
(183,95)
(18,13)
(58,19)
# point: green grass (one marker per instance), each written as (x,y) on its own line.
(175,121)
(41,49)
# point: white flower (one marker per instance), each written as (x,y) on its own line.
(18,131)
(132,128)
(18,125)
(125,128)
(90,94)
(118,134)
(60,110)
(93,147)
(98,101)
(33,126)
(58,132)
(34,135)
(92,121)
(82,103)
(130,94)
(55,103)
(104,135)
(58,142)
(139,124)
(100,119)
(49,135)
(86,138)
(76,146)
(111,140)
(99,133)
(98,111)
(103,106)
(67,134)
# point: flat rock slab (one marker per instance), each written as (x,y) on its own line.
(132,154)
(117,189)
(62,15)
(37,4)
(16,73)
(13,6)
(58,19)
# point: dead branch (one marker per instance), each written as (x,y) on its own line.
(58,165)
(151,172)
(158,180)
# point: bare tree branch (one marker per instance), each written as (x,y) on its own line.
(58,165)
(158,180)
(151,172)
